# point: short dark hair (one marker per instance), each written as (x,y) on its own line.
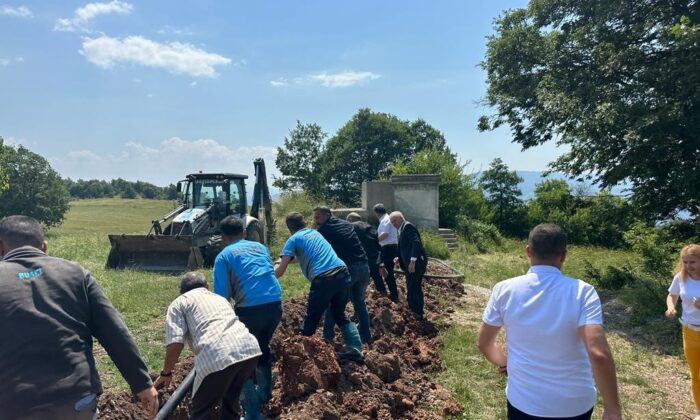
(17,231)
(379,208)
(231,226)
(191,281)
(295,221)
(547,241)
(324,210)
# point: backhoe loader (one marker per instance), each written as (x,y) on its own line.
(188,237)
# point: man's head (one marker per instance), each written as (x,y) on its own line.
(18,231)
(295,221)
(232,229)
(546,245)
(396,218)
(321,215)
(353,217)
(379,210)
(191,281)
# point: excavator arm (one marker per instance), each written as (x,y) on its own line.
(261,198)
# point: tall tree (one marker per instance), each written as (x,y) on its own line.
(503,194)
(365,147)
(616,81)
(4,176)
(35,189)
(298,159)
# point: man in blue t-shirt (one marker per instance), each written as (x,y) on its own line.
(330,281)
(243,272)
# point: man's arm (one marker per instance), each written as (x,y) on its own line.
(282,266)
(383,236)
(220,278)
(172,355)
(603,366)
(486,341)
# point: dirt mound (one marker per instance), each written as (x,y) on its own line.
(391,383)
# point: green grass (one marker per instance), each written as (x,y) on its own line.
(141,297)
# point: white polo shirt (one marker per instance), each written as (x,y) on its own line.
(385,226)
(687,289)
(549,373)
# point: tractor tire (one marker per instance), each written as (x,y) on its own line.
(254,232)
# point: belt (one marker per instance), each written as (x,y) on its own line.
(691,327)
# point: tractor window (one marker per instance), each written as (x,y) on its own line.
(235,189)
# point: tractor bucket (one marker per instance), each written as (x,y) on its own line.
(154,253)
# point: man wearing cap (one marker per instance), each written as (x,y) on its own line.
(389,242)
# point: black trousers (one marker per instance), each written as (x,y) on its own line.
(515,414)
(262,321)
(325,291)
(225,386)
(414,289)
(389,252)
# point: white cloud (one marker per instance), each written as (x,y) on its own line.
(176,57)
(19,11)
(344,79)
(7,61)
(166,162)
(169,30)
(193,83)
(83,15)
(280,81)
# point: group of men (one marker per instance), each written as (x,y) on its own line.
(51,308)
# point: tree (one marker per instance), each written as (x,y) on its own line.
(615,81)
(503,194)
(35,189)
(457,190)
(4,176)
(298,160)
(365,147)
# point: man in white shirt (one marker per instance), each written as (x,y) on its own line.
(388,238)
(225,353)
(555,338)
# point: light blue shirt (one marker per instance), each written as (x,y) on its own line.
(314,253)
(243,272)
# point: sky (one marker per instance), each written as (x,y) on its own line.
(155,90)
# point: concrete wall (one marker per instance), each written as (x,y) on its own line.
(418,198)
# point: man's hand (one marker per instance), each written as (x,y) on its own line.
(696,303)
(149,401)
(671,313)
(383,272)
(163,381)
(412,267)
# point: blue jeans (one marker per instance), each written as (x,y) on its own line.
(359,273)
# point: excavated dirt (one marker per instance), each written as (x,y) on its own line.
(310,383)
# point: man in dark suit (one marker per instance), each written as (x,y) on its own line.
(412,259)
(368,237)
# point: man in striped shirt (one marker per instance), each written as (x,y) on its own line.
(225,353)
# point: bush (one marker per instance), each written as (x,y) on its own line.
(483,235)
(434,245)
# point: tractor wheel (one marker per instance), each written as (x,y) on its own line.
(254,232)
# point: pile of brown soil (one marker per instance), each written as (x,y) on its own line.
(310,383)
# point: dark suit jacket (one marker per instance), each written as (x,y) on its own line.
(368,237)
(410,245)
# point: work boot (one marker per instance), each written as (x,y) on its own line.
(250,401)
(263,376)
(351,339)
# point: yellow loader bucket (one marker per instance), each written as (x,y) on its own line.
(154,253)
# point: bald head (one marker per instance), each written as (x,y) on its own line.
(396,218)
(353,217)
(18,231)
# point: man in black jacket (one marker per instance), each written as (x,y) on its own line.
(50,309)
(412,259)
(368,237)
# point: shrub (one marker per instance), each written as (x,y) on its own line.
(483,235)
(434,245)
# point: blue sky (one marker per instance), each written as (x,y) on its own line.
(153,90)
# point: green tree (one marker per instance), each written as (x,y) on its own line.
(458,192)
(501,186)
(298,160)
(365,147)
(35,189)
(4,176)
(615,81)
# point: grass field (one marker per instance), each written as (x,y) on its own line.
(653,376)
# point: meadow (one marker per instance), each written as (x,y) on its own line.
(654,382)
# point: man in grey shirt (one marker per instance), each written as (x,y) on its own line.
(50,309)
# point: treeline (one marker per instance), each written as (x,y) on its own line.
(97,188)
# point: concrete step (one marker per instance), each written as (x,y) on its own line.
(447,236)
(445,230)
